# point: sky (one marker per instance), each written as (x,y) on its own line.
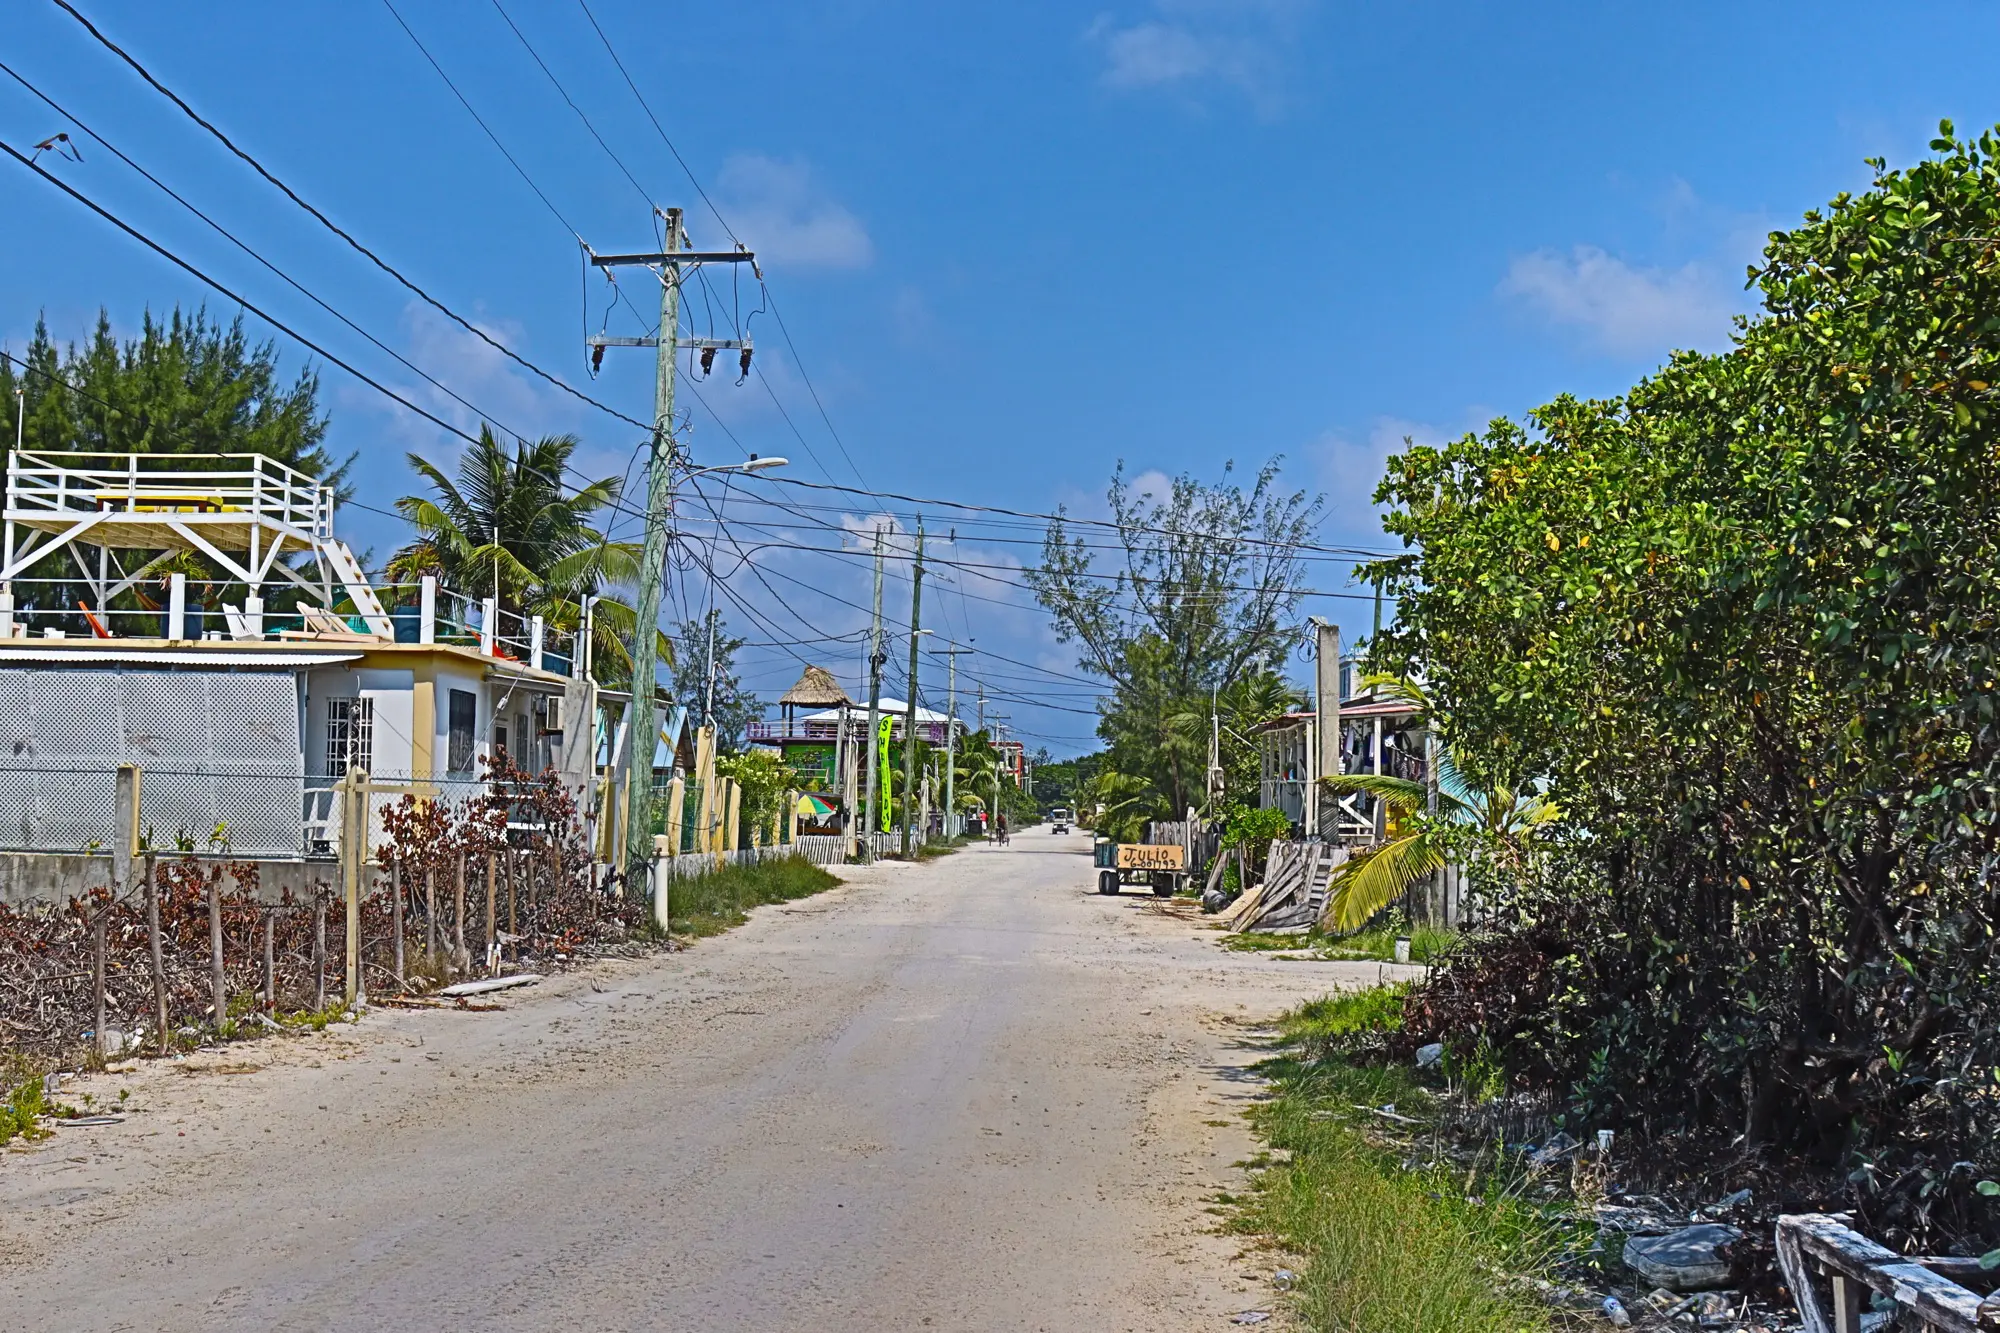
(1013,246)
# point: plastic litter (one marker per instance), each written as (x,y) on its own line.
(1614,1310)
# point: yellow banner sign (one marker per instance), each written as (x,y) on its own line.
(1152,858)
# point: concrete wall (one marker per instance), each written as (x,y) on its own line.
(53,878)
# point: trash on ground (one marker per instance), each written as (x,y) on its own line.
(1430,1055)
(485,984)
(1615,1312)
(1686,1260)
(1251,1317)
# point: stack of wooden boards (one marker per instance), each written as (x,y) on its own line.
(1294,892)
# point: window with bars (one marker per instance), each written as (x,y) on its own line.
(350,735)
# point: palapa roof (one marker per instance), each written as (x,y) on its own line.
(816,689)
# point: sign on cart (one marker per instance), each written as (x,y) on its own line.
(1151,858)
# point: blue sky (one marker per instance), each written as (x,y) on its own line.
(1014,244)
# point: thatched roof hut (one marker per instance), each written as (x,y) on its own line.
(815,689)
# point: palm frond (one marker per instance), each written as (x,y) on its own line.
(1367,884)
(1400,794)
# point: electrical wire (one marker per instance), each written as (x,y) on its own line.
(564,94)
(337,230)
(240,244)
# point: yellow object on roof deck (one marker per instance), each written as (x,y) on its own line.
(164,502)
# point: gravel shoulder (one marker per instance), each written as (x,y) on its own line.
(971,1094)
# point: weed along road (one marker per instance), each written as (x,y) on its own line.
(970,1094)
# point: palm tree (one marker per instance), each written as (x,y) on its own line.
(1503,819)
(1239,707)
(506,526)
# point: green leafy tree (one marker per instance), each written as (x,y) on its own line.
(1740,622)
(186,385)
(730,705)
(1204,591)
(764,779)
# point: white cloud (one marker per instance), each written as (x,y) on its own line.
(1189,44)
(1624,308)
(777,209)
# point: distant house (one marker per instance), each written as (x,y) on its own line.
(242,720)
(822,746)
(1377,735)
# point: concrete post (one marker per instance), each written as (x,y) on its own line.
(791,816)
(177,597)
(731,810)
(427,610)
(489,625)
(704,773)
(676,805)
(125,843)
(537,628)
(664,847)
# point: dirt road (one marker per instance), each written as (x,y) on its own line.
(967,1095)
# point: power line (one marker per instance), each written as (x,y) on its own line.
(564,94)
(233,239)
(335,228)
(932,502)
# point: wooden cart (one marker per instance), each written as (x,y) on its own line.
(1161,867)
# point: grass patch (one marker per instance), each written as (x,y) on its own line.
(25,1103)
(932,850)
(713,903)
(1391,1242)
(1377,945)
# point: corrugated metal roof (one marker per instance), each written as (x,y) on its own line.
(109,656)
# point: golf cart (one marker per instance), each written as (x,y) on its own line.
(1059,820)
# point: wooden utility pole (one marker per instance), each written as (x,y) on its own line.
(875,659)
(1322,809)
(951,741)
(910,714)
(669,262)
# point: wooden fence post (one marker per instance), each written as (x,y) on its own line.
(492,913)
(218,982)
(459,959)
(354,861)
(396,916)
(319,947)
(153,944)
(97,976)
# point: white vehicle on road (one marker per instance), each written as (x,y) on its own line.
(1059,820)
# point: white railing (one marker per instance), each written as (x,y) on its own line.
(74,485)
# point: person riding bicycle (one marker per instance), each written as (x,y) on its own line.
(1002,827)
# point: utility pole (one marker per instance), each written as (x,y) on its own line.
(999,757)
(910,716)
(951,742)
(644,727)
(875,659)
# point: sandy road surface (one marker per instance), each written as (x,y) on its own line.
(968,1095)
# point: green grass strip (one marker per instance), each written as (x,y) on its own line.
(713,903)
(1386,1247)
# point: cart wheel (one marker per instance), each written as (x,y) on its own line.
(1163,886)
(1107,882)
